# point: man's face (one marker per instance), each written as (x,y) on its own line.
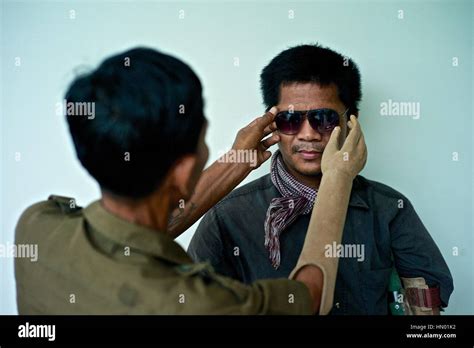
(302,152)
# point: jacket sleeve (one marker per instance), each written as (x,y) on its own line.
(416,254)
(209,293)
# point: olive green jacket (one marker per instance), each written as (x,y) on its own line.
(93,262)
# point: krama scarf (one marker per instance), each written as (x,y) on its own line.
(297,199)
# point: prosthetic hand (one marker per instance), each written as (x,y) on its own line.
(339,167)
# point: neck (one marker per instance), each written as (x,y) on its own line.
(150,211)
(312,181)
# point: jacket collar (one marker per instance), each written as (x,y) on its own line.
(356,199)
(137,237)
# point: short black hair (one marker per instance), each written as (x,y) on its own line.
(312,63)
(149,107)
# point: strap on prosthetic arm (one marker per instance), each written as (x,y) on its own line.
(421,299)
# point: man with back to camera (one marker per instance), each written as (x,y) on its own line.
(117,256)
(315,89)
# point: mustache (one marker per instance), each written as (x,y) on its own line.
(307,147)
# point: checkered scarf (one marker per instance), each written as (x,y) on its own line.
(296,199)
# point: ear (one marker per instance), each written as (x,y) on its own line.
(182,175)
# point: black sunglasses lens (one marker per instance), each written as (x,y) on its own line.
(288,122)
(323,120)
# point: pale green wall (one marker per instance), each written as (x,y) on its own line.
(407,59)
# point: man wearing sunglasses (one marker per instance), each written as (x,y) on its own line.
(117,255)
(258,230)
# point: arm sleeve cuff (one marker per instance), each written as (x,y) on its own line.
(284,296)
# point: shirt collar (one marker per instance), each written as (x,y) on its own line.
(356,199)
(138,237)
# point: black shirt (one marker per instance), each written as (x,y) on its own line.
(383,221)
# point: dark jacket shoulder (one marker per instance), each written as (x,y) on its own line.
(262,183)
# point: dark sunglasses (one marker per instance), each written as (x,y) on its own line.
(321,120)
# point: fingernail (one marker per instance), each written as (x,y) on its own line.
(273,110)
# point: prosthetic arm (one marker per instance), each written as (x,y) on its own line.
(339,168)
